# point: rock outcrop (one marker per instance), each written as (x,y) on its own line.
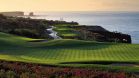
(14,13)
(98,33)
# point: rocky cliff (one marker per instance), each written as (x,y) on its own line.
(15,13)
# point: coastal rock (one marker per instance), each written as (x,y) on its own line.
(14,13)
(99,33)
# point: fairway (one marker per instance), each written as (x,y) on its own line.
(14,48)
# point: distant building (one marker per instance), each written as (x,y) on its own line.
(14,13)
(31,14)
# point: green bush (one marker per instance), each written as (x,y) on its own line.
(2,73)
(10,74)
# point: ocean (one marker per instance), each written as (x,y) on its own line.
(125,22)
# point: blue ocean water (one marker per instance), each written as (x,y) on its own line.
(125,22)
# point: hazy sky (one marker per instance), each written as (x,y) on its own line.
(69,5)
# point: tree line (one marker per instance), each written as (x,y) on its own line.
(33,28)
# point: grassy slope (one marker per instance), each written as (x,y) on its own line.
(16,48)
(65,31)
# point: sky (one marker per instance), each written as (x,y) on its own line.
(69,5)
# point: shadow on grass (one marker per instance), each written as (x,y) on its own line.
(63,44)
(54,47)
(99,62)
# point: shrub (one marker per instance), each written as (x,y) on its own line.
(2,73)
(25,75)
(10,74)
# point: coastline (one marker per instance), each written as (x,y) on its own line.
(109,22)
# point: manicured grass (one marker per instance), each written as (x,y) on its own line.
(65,31)
(15,48)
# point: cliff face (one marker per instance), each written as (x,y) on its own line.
(98,33)
(16,13)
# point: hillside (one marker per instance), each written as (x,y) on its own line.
(14,13)
(17,48)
